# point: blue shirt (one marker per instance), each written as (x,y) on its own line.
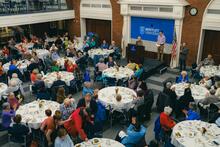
(192,115)
(182,80)
(87,90)
(12,67)
(133,136)
(55,56)
(67,142)
(138,72)
(104,46)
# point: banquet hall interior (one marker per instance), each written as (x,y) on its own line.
(110,73)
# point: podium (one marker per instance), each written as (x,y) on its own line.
(135,53)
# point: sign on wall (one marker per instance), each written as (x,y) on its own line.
(149,28)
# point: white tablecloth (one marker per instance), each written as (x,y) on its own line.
(123,72)
(61,61)
(198,92)
(210,71)
(103,52)
(42,53)
(51,77)
(22,67)
(103,142)
(108,97)
(3,89)
(34,114)
(191,134)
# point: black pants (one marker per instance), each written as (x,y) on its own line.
(182,64)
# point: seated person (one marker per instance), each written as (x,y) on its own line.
(70,66)
(138,101)
(63,139)
(135,132)
(139,71)
(48,126)
(166,121)
(113,46)
(133,83)
(33,65)
(110,62)
(39,84)
(133,66)
(13,65)
(87,88)
(206,82)
(87,101)
(13,101)
(92,43)
(101,65)
(85,46)
(55,67)
(14,83)
(208,61)
(58,82)
(60,96)
(74,125)
(211,98)
(104,45)
(183,78)
(54,55)
(191,114)
(18,130)
(67,107)
(34,75)
(7,115)
(217,122)
(185,100)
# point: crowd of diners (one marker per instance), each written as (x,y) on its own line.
(80,121)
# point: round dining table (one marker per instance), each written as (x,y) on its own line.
(195,134)
(21,64)
(100,142)
(120,73)
(51,77)
(34,113)
(101,52)
(210,71)
(108,97)
(198,92)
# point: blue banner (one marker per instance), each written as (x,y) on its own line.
(149,28)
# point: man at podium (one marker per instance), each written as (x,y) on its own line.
(139,41)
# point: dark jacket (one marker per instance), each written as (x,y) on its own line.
(18,131)
(58,83)
(184,53)
(93,105)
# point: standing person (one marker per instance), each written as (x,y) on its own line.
(139,41)
(183,56)
(161,40)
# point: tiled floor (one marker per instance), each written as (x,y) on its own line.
(154,82)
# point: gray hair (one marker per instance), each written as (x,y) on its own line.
(5,105)
(168,110)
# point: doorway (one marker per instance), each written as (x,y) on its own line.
(100,27)
(211,45)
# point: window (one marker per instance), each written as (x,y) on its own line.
(137,8)
(213,11)
(166,9)
(150,8)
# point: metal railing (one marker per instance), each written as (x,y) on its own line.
(12,7)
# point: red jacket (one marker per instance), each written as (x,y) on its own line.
(71,68)
(74,126)
(166,122)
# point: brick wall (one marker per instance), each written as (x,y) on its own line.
(117,22)
(192,28)
(74,25)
